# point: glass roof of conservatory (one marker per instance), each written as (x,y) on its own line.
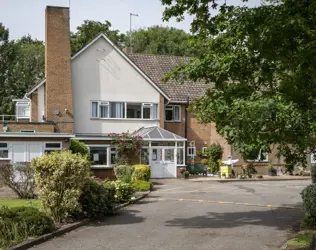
(157,134)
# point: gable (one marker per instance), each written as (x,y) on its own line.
(112,47)
(104,74)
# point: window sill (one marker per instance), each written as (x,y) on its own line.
(101,167)
(124,119)
(173,121)
(5,159)
(257,161)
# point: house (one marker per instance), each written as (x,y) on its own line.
(101,90)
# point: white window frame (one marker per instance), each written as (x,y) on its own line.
(25,105)
(107,103)
(103,104)
(108,155)
(189,153)
(203,150)
(5,148)
(172,108)
(53,148)
(258,157)
(183,158)
(146,105)
(94,102)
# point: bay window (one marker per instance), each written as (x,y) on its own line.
(124,110)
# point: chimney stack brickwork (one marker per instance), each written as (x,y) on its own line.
(58,69)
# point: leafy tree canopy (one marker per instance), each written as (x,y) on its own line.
(162,41)
(260,63)
(21,66)
(89,30)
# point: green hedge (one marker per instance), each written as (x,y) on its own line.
(19,223)
(141,172)
(123,172)
(97,198)
(141,185)
(123,191)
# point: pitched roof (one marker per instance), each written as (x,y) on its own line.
(156,66)
(156,133)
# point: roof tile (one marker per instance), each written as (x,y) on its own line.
(156,66)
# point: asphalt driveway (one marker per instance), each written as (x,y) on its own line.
(197,215)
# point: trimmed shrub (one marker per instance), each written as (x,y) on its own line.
(141,172)
(59,178)
(140,185)
(123,191)
(20,178)
(123,172)
(97,199)
(19,223)
(309,203)
(77,147)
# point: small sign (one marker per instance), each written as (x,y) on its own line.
(95,157)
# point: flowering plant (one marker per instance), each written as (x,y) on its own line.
(126,144)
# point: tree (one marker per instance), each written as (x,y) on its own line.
(6,57)
(261,63)
(89,30)
(23,67)
(162,41)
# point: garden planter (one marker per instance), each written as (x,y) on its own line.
(272,173)
(186,176)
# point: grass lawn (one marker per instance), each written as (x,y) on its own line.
(302,240)
(19,203)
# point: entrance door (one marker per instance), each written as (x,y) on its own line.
(163,164)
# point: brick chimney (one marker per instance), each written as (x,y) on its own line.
(58,99)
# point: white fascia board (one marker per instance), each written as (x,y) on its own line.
(92,139)
(34,135)
(35,87)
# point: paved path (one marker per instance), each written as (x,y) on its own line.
(197,215)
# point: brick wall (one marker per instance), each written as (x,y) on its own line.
(177,127)
(272,159)
(58,68)
(203,135)
(34,117)
(37,126)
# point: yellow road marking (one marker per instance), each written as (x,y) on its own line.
(227,203)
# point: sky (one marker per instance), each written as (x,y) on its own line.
(24,17)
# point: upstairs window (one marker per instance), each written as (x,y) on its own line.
(123,110)
(172,113)
(23,110)
(134,110)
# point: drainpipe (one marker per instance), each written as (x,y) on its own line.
(186,126)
